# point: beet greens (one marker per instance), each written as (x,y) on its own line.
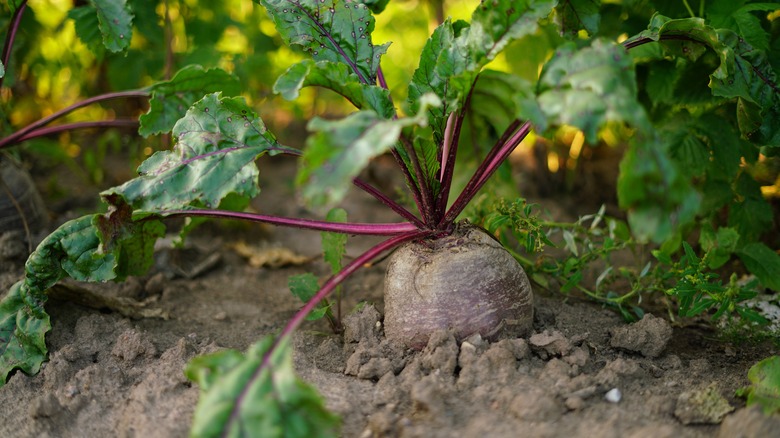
(211,172)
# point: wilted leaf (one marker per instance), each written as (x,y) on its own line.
(273,257)
(339,78)
(171,99)
(256,391)
(330,30)
(22,335)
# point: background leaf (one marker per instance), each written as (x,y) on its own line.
(575,15)
(115,22)
(763,263)
(330,30)
(171,99)
(764,389)
(256,391)
(590,86)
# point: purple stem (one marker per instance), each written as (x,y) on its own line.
(426,196)
(409,180)
(449,170)
(300,316)
(14,138)
(80,125)
(9,39)
(370,229)
(485,171)
(396,207)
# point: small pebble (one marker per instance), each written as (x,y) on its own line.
(220,316)
(613,395)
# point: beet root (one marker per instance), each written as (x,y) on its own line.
(465,282)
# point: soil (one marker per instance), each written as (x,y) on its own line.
(117,353)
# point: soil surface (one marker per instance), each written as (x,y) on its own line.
(117,352)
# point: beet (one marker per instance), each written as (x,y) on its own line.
(465,282)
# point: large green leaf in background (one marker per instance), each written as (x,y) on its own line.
(330,30)
(575,15)
(239,399)
(91,248)
(657,195)
(171,99)
(106,21)
(456,52)
(764,389)
(218,141)
(744,72)
(339,78)
(589,87)
(340,149)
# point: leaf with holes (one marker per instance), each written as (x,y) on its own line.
(115,22)
(218,141)
(330,30)
(171,99)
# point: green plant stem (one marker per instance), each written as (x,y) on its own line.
(688,7)
(16,136)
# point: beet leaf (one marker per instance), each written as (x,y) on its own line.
(243,394)
(171,99)
(330,30)
(337,77)
(218,141)
(339,150)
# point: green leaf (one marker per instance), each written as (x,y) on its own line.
(762,262)
(744,73)
(456,52)
(340,149)
(85,20)
(338,78)
(590,86)
(575,15)
(749,212)
(218,141)
(719,245)
(304,287)
(659,197)
(737,16)
(376,6)
(2,69)
(73,250)
(22,335)
(171,99)
(330,30)
(115,22)
(256,391)
(334,245)
(764,389)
